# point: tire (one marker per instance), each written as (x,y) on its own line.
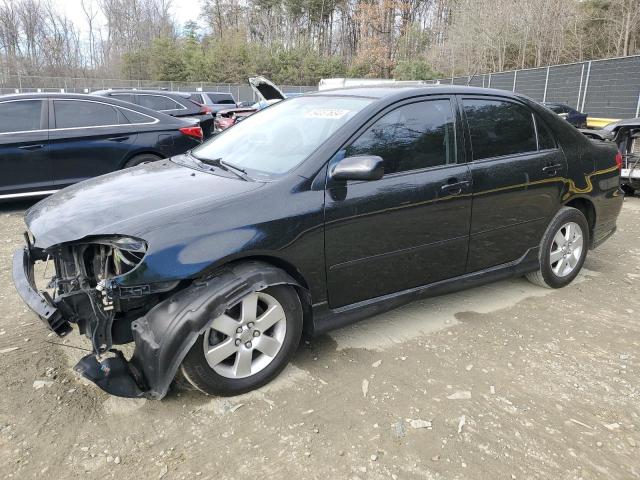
(140,159)
(225,372)
(628,190)
(563,249)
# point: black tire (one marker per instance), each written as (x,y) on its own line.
(545,275)
(140,159)
(202,376)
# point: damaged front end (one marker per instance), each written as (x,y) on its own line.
(86,289)
(90,288)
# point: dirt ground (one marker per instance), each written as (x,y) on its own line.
(506,381)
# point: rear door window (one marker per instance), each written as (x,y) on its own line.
(221,98)
(411,137)
(78,113)
(159,103)
(545,137)
(196,97)
(20,116)
(499,127)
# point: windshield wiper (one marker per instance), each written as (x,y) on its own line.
(227,167)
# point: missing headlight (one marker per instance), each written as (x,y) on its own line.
(115,256)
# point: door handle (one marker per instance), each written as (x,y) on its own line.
(551,169)
(118,139)
(454,187)
(32,147)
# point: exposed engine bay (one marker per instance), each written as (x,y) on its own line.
(84,290)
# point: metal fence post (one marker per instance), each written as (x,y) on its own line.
(546,84)
(515,78)
(489,85)
(638,106)
(586,84)
(580,88)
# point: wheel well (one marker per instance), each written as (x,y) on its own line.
(587,209)
(304,293)
(133,155)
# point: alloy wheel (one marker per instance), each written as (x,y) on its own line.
(566,249)
(247,337)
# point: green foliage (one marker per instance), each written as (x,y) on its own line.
(414,70)
(167,60)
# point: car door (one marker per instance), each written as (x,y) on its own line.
(89,138)
(25,166)
(411,227)
(518,179)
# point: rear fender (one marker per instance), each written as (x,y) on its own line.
(166,333)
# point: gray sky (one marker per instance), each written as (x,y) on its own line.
(182,10)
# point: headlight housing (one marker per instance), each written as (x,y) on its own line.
(116,255)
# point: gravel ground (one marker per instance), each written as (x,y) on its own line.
(506,381)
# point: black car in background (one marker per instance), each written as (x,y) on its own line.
(49,140)
(308,215)
(571,115)
(215,101)
(176,104)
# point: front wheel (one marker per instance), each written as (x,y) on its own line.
(248,345)
(563,249)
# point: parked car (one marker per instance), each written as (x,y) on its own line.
(626,135)
(264,89)
(571,115)
(215,101)
(51,140)
(176,104)
(309,215)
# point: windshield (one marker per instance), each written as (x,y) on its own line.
(278,138)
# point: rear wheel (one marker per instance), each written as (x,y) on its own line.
(140,159)
(563,249)
(248,345)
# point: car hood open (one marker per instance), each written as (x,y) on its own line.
(133,202)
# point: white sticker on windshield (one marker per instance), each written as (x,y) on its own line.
(333,113)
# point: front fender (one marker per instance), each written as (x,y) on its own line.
(166,333)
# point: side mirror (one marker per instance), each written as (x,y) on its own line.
(361,167)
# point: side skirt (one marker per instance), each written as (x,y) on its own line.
(326,319)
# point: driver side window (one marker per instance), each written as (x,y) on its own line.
(411,137)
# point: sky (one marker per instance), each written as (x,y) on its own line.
(182,10)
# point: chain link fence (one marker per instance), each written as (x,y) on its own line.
(607,88)
(30,84)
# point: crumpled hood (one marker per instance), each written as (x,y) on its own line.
(130,202)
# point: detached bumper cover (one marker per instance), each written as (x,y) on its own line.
(39,302)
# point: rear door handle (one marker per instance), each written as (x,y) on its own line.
(118,139)
(551,169)
(454,187)
(32,147)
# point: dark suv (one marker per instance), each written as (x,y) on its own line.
(51,140)
(311,214)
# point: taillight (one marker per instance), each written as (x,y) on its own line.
(619,160)
(194,132)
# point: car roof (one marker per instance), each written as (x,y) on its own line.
(386,91)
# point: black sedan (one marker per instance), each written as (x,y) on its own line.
(308,215)
(49,141)
(571,115)
(176,104)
